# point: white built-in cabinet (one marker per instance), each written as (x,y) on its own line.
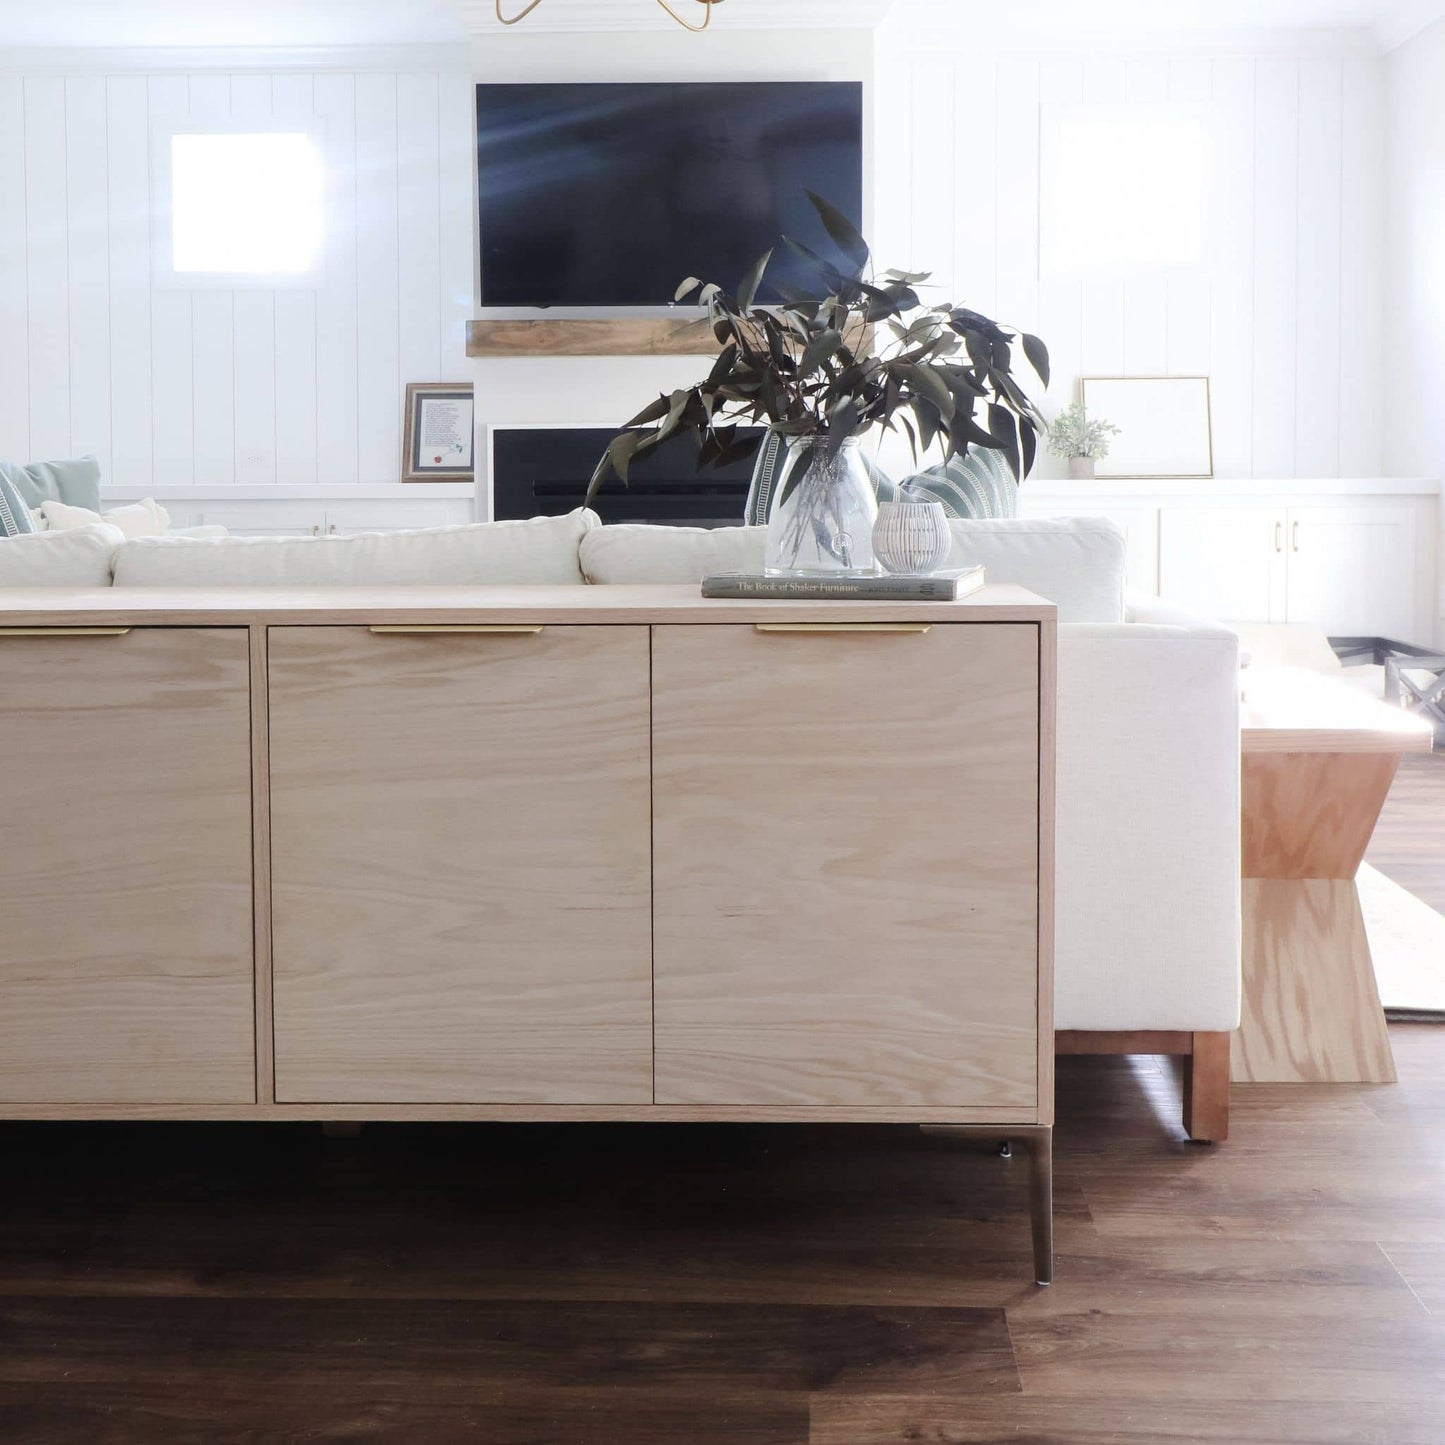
(286,512)
(1350,558)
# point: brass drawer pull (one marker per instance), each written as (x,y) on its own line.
(63,631)
(915,628)
(481,629)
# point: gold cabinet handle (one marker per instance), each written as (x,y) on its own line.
(480,629)
(914,628)
(1279,536)
(63,631)
(1294,536)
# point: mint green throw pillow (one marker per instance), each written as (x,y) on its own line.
(75,482)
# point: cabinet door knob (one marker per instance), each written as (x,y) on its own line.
(331,530)
(316,530)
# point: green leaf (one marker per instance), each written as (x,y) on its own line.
(1038,355)
(843,233)
(690,285)
(926,380)
(823,347)
(749,289)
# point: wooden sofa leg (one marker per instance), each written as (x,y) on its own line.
(1206,1089)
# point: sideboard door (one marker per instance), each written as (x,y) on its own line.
(460,865)
(126,972)
(846,875)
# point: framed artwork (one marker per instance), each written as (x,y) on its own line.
(1163,421)
(438,435)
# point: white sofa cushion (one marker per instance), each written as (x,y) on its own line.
(1076,562)
(1147,839)
(642,555)
(78,558)
(541,551)
(146,518)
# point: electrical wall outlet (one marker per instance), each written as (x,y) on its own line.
(254,459)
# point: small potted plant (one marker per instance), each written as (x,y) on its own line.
(1082,442)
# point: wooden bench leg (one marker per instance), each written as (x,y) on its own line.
(1206,1089)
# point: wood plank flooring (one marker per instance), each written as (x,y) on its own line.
(521,1285)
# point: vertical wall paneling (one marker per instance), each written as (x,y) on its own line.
(14,284)
(975,223)
(1061,83)
(1276,250)
(418,151)
(128,168)
(172,360)
(1102,297)
(1187,325)
(1146,295)
(378,332)
(1362,264)
(213,341)
(1231,245)
(1317,275)
(1017,144)
(87,252)
(47,266)
(890,227)
(255,329)
(939,180)
(295,378)
(456,286)
(336,365)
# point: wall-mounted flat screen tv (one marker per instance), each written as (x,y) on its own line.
(610,194)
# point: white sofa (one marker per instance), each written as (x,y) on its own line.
(1147,903)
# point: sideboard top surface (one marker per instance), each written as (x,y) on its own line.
(240,606)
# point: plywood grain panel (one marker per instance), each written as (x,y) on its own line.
(460,866)
(125,958)
(1310,815)
(1311,1011)
(846,894)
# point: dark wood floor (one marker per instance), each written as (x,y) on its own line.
(859,1286)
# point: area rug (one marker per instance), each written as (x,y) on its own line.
(1407,941)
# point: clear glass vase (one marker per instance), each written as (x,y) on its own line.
(822,526)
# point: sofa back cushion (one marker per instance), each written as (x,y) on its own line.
(541,551)
(1077,563)
(78,558)
(75,481)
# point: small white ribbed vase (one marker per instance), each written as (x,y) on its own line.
(912,537)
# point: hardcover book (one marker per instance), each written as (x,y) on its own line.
(931,587)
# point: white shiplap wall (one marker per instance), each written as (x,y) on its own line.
(1287,319)
(170,388)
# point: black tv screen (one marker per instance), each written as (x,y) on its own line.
(610,195)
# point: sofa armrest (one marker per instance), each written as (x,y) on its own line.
(1148,826)
(1143,607)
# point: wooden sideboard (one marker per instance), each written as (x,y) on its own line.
(528,853)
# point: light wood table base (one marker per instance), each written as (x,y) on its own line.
(1318,761)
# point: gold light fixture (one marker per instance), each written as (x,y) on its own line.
(686,24)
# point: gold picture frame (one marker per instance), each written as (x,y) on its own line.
(1166,425)
(439,432)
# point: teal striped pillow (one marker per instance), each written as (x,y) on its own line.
(979,486)
(15,518)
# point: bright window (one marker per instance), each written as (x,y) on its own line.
(1123,187)
(240,207)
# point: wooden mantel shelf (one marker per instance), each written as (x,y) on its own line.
(642,336)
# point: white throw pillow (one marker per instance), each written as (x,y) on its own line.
(645,555)
(145,518)
(1076,562)
(541,551)
(79,557)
